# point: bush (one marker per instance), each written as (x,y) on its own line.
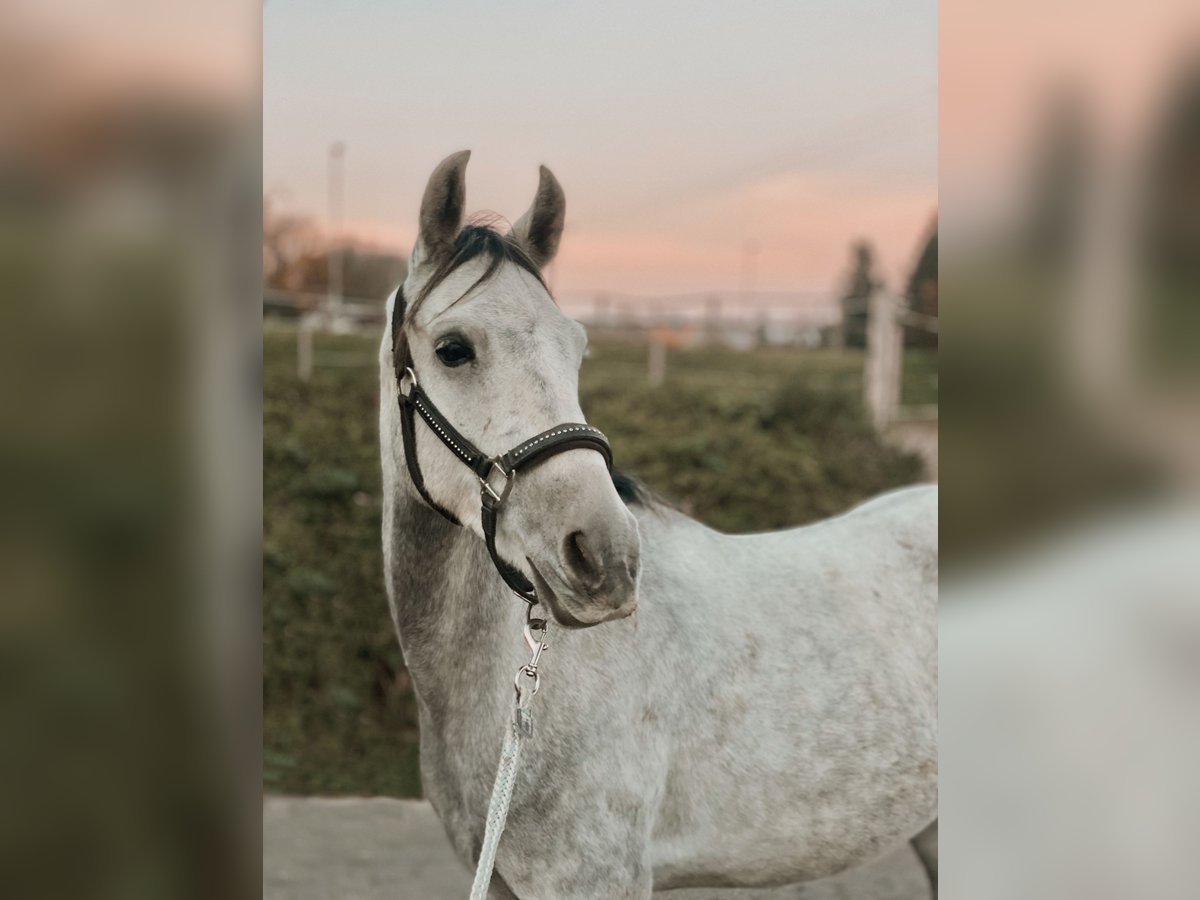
(743,442)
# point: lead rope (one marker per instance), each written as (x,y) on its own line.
(519,728)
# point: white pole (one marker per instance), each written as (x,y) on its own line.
(658,361)
(882,369)
(304,347)
(336,189)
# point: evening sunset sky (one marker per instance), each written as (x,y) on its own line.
(683,133)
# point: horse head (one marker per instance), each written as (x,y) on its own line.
(501,362)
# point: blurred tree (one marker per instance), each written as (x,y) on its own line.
(1062,165)
(285,239)
(860,284)
(296,258)
(1169,250)
(373,274)
(921,295)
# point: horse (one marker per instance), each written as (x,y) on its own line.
(769,714)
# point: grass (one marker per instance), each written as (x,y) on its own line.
(743,441)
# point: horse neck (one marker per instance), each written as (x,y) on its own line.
(457,622)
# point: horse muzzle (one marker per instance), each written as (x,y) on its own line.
(593,576)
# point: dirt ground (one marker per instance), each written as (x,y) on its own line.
(370,849)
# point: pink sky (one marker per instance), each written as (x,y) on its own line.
(796,130)
(1001,63)
(803,223)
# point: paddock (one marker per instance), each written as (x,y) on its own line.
(376,848)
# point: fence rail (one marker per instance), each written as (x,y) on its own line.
(887,318)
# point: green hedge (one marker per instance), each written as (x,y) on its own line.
(745,442)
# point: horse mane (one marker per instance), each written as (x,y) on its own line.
(632,491)
(479,238)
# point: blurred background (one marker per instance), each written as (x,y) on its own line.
(129,441)
(751,241)
(752,230)
(1070,604)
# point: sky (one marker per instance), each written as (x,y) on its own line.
(702,146)
(1002,74)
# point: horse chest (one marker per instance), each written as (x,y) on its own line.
(456,779)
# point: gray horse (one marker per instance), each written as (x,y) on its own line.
(768,716)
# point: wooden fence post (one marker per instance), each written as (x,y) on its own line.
(882,370)
(658,360)
(304,347)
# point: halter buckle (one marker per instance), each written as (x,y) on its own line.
(487,492)
(409,374)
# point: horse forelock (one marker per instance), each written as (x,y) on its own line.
(478,239)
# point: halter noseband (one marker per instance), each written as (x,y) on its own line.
(488,469)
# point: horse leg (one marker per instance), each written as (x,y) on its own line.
(926,845)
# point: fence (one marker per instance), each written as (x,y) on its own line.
(883,372)
(314,313)
(663,324)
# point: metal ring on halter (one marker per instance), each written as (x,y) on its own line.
(529,671)
(510,476)
(412,378)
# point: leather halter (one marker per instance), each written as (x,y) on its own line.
(414,403)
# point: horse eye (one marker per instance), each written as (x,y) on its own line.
(454,352)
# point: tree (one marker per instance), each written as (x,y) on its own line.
(860,284)
(286,239)
(371,274)
(296,258)
(1062,165)
(921,295)
(1168,248)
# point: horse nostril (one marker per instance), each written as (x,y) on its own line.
(580,558)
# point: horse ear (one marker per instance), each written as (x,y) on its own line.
(442,209)
(539,230)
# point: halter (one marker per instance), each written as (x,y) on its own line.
(495,473)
